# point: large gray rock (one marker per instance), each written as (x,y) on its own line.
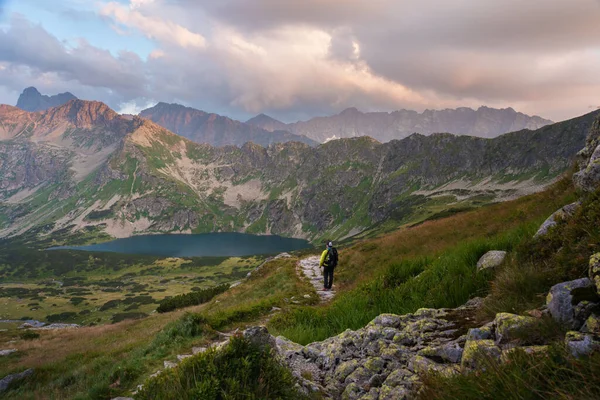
(477,352)
(259,335)
(581,344)
(7,380)
(564,213)
(491,259)
(511,326)
(563,299)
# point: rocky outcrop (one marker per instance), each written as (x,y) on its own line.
(564,213)
(7,380)
(32,100)
(491,260)
(588,177)
(382,360)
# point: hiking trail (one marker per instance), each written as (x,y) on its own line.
(310,268)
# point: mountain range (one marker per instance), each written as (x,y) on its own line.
(218,130)
(82,166)
(483,122)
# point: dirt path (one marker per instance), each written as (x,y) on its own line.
(310,268)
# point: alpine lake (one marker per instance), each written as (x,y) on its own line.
(127,278)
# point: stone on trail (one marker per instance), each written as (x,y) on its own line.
(169,364)
(491,259)
(475,353)
(310,268)
(198,350)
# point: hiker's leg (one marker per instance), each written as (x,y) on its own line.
(324,277)
(330,279)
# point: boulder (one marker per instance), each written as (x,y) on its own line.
(491,259)
(509,326)
(7,352)
(563,299)
(565,212)
(259,336)
(476,352)
(581,344)
(7,380)
(594,270)
(482,333)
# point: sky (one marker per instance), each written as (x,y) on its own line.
(296,59)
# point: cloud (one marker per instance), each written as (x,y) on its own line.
(296,59)
(153,27)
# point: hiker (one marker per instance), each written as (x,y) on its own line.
(329,260)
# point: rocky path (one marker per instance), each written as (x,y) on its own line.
(310,268)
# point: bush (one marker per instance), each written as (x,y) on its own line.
(125,316)
(190,299)
(29,335)
(62,317)
(239,371)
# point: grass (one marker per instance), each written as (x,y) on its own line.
(555,375)
(108,361)
(430,265)
(241,370)
(538,264)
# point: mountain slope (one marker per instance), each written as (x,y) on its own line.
(82,165)
(214,129)
(32,100)
(483,122)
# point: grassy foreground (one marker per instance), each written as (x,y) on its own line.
(429,265)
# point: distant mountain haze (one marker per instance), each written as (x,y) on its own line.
(32,100)
(214,129)
(484,122)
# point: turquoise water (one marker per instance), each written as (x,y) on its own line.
(203,245)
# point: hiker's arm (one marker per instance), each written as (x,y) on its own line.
(323,255)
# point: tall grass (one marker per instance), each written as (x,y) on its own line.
(240,370)
(562,255)
(522,377)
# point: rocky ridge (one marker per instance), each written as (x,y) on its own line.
(483,122)
(81,165)
(214,129)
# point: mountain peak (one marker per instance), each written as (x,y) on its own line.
(81,113)
(267,123)
(350,111)
(32,100)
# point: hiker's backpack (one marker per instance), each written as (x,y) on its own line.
(332,257)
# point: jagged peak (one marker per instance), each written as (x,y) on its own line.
(81,113)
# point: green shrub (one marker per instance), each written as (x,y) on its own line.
(190,299)
(62,317)
(239,371)
(29,335)
(129,315)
